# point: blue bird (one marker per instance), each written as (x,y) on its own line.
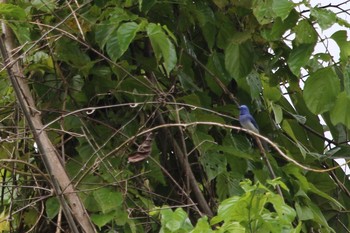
(246,120)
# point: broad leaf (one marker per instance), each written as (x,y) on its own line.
(107,199)
(341,111)
(282,8)
(202,226)
(305,33)
(239,59)
(102,219)
(262,10)
(213,164)
(104,31)
(206,18)
(303,212)
(344,45)
(299,57)
(277,111)
(120,39)
(162,46)
(325,18)
(10,11)
(46,6)
(174,221)
(52,207)
(321,90)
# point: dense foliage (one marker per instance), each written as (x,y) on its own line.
(138,98)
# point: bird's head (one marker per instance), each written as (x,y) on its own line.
(243,109)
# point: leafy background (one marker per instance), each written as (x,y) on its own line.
(105,74)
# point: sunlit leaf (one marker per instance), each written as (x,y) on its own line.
(175,220)
(282,8)
(263,11)
(102,219)
(277,111)
(202,226)
(11,11)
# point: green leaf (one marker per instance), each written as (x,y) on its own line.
(22,32)
(282,8)
(202,226)
(233,227)
(294,130)
(146,5)
(325,18)
(203,141)
(46,6)
(121,217)
(279,27)
(271,93)
(174,221)
(120,39)
(233,151)
(277,111)
(107,199)
(213,164)
(254,82)
(29,217)
(216,63)
(227,184)
(10,11)
(276,32)
(104,31)
(339,152)
(206,19)
(52,207)
(319,217)
(187,81)
(344,45)
(239,59)
(347,80)
(299,57)
(305,33)
(77,83)
(341,111)
(263,11)
(162,46)
(303,212)
(321,90)
(70,52)
(101,219)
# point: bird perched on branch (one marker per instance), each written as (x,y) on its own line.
(247,121)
